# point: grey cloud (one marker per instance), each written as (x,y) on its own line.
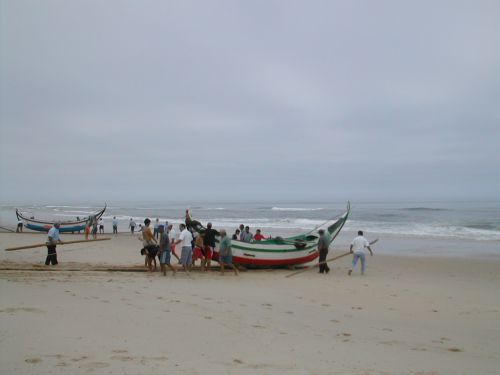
(261,99)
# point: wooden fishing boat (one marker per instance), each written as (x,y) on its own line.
(66,226)
(280,251)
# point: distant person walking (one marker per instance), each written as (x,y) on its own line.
(323,244)
(115,225)
(357,249)
(156,233)
(131,225)
(101,226)
(19,226)
(52,240)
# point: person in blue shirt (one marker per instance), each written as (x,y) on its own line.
(52,240)
(115,225)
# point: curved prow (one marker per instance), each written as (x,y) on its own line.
(335,228)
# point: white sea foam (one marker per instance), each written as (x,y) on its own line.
(424,230)
(295,209)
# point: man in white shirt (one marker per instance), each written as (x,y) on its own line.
(357,249)
(185,239)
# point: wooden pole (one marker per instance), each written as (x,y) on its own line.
(318,264)
(328,260)
(60,243)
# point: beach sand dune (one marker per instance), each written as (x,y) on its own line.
(406,316)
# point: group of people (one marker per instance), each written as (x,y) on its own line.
(243,234)
(163,242)
(96,225)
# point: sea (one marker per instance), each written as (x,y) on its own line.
(407,228)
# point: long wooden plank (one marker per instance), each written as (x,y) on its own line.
(318,264)
(7,229)
(60,243)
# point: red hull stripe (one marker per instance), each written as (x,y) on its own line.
(273,262)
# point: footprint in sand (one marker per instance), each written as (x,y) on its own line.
(356,308)
(33,360)
(335,321)
(123,358)
(79,359)
(120,351)
(419,349)
(208,317)
(266,304)
(258,326)
(455,350)
(96,365)
(11,310)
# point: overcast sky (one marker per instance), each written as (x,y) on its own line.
(249,100)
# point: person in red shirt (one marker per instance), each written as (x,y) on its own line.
(258,236)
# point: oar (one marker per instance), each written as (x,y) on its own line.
(325,261)
(7,229)
(60,243)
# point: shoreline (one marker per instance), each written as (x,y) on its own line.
(389,245)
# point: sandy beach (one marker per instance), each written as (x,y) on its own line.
(407,315)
